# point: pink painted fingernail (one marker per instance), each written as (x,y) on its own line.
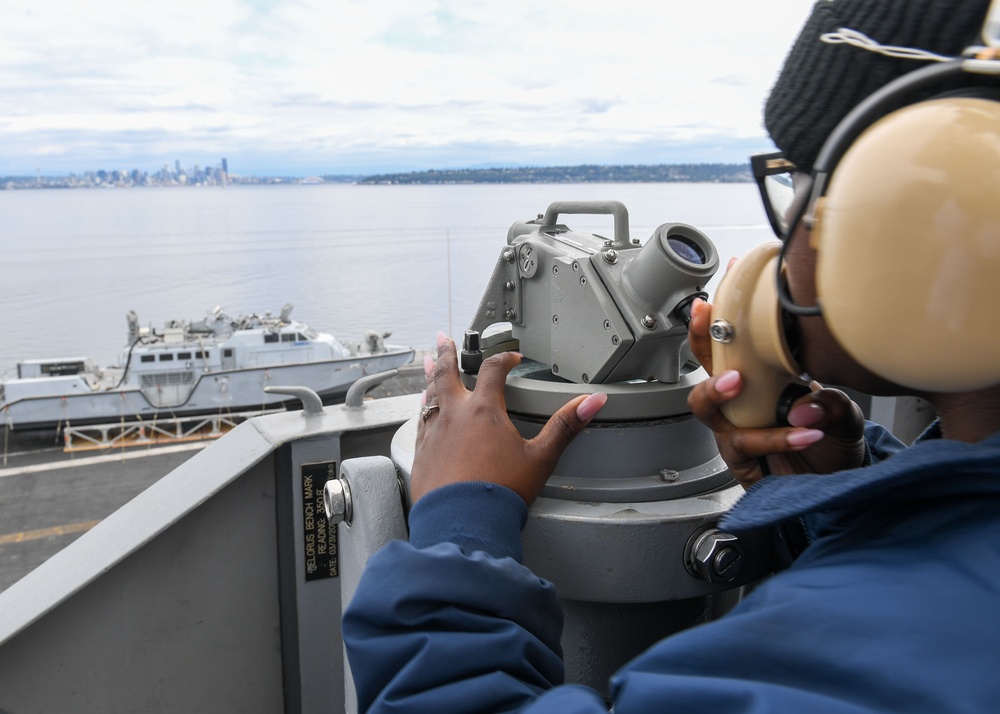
(586,410)
(808,414)
(423,397)
(804,438)
(727,381)
(441,338)
(428,366)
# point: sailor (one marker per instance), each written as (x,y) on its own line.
(891,602)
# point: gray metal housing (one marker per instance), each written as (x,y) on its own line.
(193,597)
(598,310)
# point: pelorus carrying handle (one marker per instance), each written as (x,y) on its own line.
(608,208)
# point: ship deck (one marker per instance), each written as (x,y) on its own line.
(49,497)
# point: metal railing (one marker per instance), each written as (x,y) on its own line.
(157,431)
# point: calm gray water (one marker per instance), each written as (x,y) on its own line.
(407,259)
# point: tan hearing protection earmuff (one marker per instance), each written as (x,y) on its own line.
(748,336)
(907,231)
(908,243)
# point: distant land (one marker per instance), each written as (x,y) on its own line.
(639,173)
(219,176)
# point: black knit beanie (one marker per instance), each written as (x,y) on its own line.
(820,82)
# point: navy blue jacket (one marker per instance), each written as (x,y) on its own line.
(893,606)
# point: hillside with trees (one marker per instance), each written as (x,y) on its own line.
(639,173)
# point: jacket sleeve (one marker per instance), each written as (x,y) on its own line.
(880,444)
(451,621)
(790,536)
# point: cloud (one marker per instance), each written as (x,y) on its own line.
(731,80)
(336,83)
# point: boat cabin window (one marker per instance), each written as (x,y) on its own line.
(203,354)
(293,337)
(61,369)
(167,357)
(148,358)
(183,355)
(227,352)
(270,337)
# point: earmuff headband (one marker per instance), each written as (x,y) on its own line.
(878,104)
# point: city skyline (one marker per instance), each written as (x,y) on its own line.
(307,87)
(177,175)
(219,175)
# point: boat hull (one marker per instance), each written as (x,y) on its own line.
(214,392)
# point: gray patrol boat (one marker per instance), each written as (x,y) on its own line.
(215,365)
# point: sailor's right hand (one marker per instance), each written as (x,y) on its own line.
(826,432)
(467,435)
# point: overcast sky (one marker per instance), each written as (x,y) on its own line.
(304,87)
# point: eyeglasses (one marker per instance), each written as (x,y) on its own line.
(774,176)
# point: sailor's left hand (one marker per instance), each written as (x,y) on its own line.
(825,432)
(469,436)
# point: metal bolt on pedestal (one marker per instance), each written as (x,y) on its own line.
(715,556)
(337,499)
